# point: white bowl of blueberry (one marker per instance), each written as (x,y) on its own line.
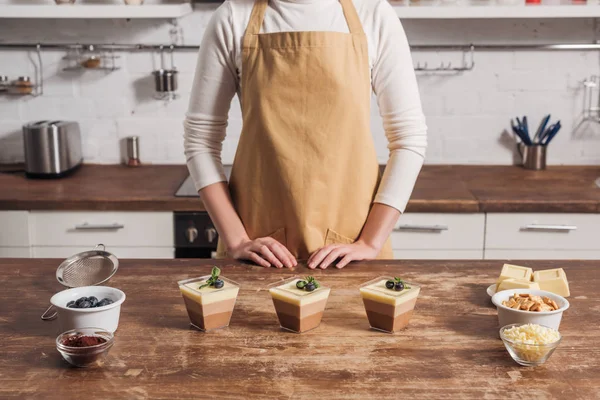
(82,307)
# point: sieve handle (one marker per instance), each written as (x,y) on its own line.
(47,317)
(89,227)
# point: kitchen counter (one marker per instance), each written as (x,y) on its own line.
(460,189)
(450,350)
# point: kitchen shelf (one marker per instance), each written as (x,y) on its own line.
(497,12)
(96,11)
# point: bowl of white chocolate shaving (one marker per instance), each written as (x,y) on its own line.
(530,344)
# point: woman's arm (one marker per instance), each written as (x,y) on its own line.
(395,84)
(214,86)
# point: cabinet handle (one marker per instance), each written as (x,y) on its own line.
(89,227)
(556,228)
(429,228)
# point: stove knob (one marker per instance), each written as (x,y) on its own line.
(211,234)
(191,234)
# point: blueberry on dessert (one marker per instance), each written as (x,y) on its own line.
(309,284)
(396,284)
(300,284)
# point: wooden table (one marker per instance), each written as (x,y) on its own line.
(451,349)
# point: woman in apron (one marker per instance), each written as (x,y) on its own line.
(305,181)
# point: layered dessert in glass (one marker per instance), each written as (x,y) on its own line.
(389,302)
(209,300)
(299,303)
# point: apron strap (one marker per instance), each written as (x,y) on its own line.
(258,15)
(255,23)
(354,25)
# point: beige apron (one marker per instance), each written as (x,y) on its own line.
(305,171)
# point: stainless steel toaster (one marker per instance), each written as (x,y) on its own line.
(52,148)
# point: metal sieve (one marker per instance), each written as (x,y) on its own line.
(88,268)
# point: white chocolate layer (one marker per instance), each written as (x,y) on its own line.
(209,294)
(379,293)
(289,293)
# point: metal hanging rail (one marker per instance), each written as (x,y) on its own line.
(156,47)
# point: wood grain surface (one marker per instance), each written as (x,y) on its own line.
(451,349)
(440,188)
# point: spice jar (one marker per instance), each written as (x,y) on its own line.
(90,58)
(22,85)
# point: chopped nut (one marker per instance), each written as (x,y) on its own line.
(527,302)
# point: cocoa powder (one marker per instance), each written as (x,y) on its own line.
(83,341)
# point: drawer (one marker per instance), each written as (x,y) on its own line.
(86,229)
(438,254)
(14,228)
(549,254)
(119,252)
(15,252)
(543,231)
(439,231)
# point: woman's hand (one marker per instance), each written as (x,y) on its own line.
(356,251)
(265,252)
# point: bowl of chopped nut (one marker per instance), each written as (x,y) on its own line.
(528,306)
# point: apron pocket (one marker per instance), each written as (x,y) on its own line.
(279,235)
(333,237)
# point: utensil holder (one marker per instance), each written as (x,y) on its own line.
(534,157)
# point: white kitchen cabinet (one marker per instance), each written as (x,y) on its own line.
(14,229)
(439,236)
(14,234)
(15,252)
(438,254)
(88,228)
(542,236)
(528,254)
(119,252)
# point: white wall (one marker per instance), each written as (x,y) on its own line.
(467,112)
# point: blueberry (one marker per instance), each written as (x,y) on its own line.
(310,287)
(71,304)
(101,303)
(80,300)
(93,300)
(219,284)
(85,304)
(399,286)
(300,284)
(389,284)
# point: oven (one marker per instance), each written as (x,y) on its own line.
(195,235)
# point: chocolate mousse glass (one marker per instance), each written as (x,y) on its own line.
(209,307)
(389,302)
(299,306)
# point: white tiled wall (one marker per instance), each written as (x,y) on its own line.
(467,113)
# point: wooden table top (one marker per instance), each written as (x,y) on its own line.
(440,188)
(451,349)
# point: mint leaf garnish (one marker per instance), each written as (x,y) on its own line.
(214,276)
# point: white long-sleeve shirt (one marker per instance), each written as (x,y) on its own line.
(393,80)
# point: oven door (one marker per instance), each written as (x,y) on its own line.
(195,235)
